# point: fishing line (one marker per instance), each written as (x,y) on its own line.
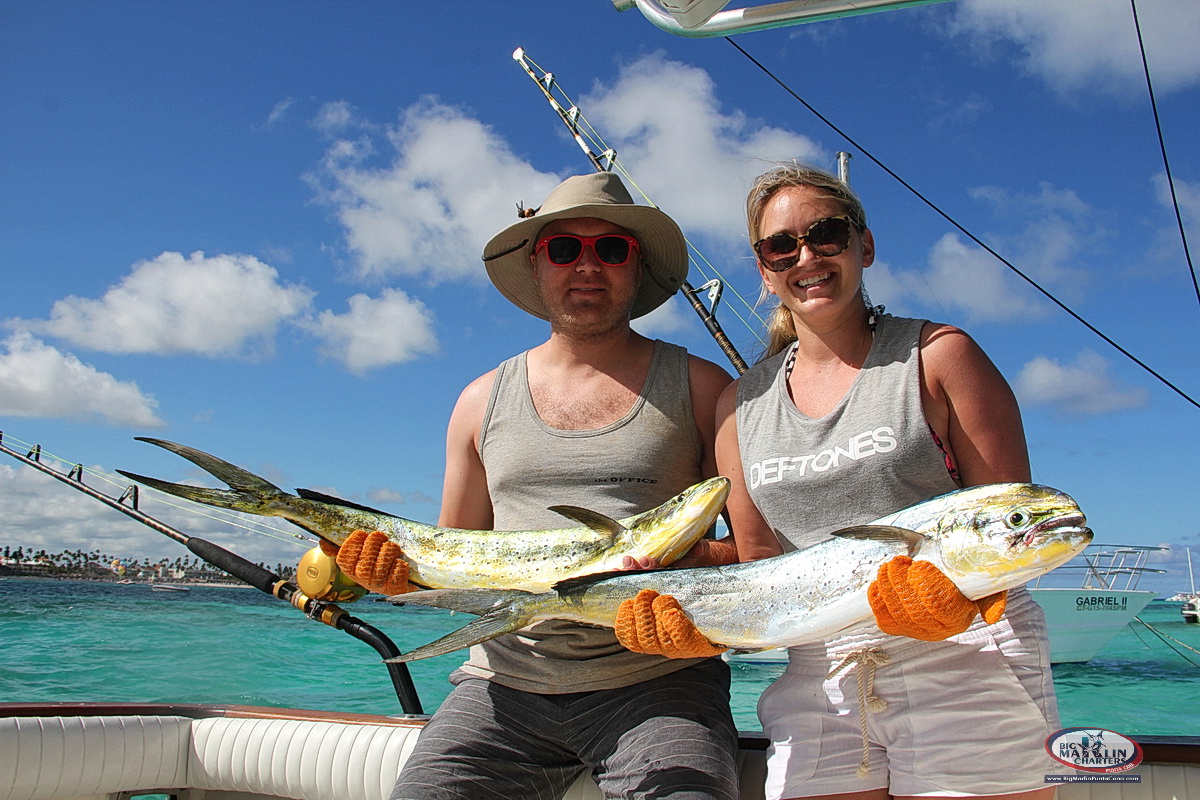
(249,524)
(317,608)
(962,229)
(1187,253)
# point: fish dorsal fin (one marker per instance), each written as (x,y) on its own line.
(309,494)
(883,533)
(592,519)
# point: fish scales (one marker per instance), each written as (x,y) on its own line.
(457,558)
(986,539)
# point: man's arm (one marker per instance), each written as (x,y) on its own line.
(706,382)
(465,499)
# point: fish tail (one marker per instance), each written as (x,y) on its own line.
(500,611)
(247,492)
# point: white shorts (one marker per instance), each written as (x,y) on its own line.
(968,716)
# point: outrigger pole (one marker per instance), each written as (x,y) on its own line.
(605,163)
(262,579)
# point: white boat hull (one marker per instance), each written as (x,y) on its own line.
(1191,611)
(1082,621)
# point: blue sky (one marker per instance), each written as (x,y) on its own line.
(255,228)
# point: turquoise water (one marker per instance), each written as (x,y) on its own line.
(82,641)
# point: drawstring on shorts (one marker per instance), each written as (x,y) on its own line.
(867,659)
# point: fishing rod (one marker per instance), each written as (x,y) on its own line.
(250,573)
(570,117)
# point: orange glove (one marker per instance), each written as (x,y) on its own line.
(655,624)
(915,599)
(373,560)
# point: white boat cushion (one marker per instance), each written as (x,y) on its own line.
(61,758)
(298,758)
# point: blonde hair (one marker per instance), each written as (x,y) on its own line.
(781,329)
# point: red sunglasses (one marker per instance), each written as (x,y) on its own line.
(610,249)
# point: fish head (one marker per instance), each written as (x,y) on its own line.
(670,530)
(1000,536)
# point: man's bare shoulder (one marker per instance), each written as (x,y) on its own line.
(704,373)
(474,396)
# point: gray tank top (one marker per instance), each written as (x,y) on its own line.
(632,465)
(870,456)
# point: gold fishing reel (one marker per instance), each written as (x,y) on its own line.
(319,577)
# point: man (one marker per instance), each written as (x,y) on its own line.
(601,417)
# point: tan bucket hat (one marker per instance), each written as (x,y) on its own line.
(599,195)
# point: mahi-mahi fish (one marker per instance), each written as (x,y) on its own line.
(437,557)
(984,538)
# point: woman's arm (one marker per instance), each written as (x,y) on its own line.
(751,534)
(972,408)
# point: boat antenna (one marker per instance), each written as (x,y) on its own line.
(607,162)
(963,229)
(244,570)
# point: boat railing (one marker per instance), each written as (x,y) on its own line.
(1116,567)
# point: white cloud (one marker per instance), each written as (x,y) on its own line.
(278,111)
(1056,227)
(37,380)
(334,119)
(1092,46)
(1082,388)
(1168,247)
(1048,232)
(220,306)
(963,275)
(452,183)
(383,495)
(376,332)
(663,118)
(890,287)
(667,319)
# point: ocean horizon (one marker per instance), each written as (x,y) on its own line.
(89,641)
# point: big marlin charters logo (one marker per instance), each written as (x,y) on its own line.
(1095,753)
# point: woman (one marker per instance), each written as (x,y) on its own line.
(967,716)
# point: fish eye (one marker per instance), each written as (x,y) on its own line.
(1017,518)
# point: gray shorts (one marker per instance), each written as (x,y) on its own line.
(668,737)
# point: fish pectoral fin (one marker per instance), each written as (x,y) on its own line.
(481,630)
(883,533)
(567,585)
(469,601)
(592,519)
(500,611)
